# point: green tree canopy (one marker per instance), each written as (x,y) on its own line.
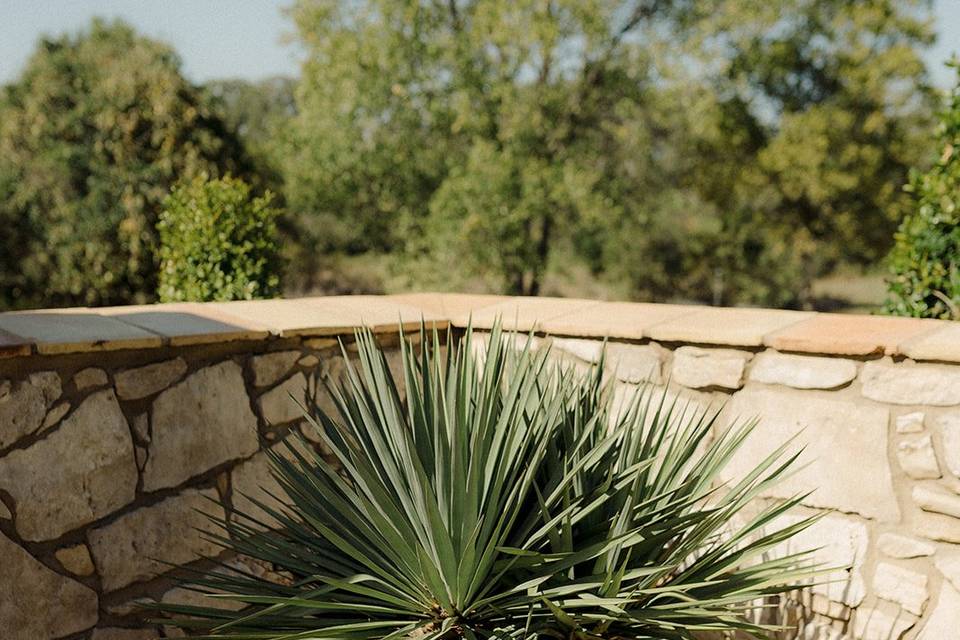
(92,136)
(255,108)
(712,149)
(925,261)
(839,94)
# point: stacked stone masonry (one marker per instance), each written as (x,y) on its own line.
(121,427)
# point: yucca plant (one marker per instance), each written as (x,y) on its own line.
(502,495)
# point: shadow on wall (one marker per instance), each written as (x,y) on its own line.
(56,331)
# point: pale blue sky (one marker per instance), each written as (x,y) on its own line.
(245,38)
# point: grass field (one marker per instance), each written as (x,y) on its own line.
(850,292)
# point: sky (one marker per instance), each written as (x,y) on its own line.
(249,38)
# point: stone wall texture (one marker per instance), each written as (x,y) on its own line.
(120,428)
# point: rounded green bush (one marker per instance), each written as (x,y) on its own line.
(218,243)
(925,260)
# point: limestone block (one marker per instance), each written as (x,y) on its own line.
(23,405)
(270,367)
(633,363)
(309,361)
(834,431)
(145,381)
(934,385)
(76,560)
(79,473)
(701,368)
(278,405)
(138,545)
(836,333)
(895,545)
(191,598)
(49,384)
(90,377)
(72,331)
(321,343)
(636,363)
(949,428)
(883,622)
(827,607)
(141,427)
(716,325)
(38,603)
(802,372)
(937,527)
(252,479)
(583,349)
(948,564)
(917,458)
(944,622)
(198,424)
(685,402)
(910,422)
(56,414)
(943,343)
(837,542)
(129,607)
(936,500)
(820,631)
(903,586)
(259,568)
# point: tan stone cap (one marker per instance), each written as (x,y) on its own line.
(54,331)
(791,331)
(135,327)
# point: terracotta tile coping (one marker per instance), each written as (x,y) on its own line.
(135,327)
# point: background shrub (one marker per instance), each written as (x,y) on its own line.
(926,258)
(218,243)
(93,135)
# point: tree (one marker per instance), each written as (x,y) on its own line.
(92,136)
(371,139)
(451,129)
(255,109)
(854,104)
(925,261)
(257,112)
(819,108)
(218,243)
(489,133)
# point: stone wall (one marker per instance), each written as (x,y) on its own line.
(108,463)
(881,447)
(120,427)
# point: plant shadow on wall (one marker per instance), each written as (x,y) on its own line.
(503,495)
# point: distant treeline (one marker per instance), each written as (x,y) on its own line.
(712,150)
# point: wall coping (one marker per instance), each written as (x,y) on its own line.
(81,329)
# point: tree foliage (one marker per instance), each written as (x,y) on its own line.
(684,147)
(709,150)
(925,262)
(257,111)
(217,242)
(92,136)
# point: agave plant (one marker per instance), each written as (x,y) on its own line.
(502,495)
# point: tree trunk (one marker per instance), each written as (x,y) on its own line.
(543,253)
